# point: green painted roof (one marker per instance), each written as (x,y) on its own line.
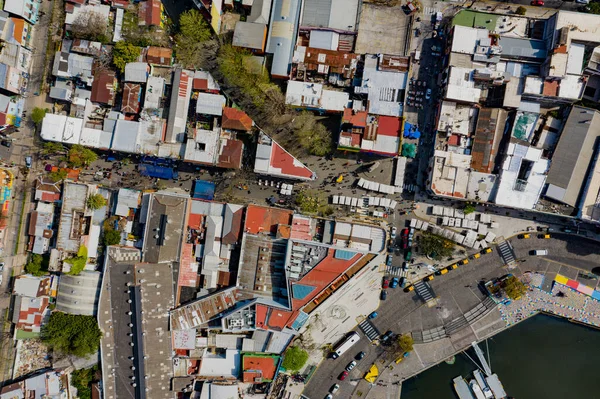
(473,19)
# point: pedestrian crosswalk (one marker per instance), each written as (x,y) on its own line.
(369,330)
(395,271)
(430,11)
(506,251)
(424,291)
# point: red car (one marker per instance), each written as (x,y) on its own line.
(386,284)
(404,238)
(539,3)
(343,376)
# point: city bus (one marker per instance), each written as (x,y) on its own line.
(345,345)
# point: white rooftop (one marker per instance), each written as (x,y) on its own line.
(461,86)
(465,39)
(210,104)
(384,88)
(61,128)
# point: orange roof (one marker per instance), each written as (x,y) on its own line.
(19,25)
(355,118)
(259,366)
(260,219)
(261,315)
(236,119)
(159,55)
(194,220)
(277,319)
(322,275)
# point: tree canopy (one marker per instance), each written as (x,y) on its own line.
(521,10)
(593,8)
(91,25)
(58,175)
(36,265)
(112,237)
(469,208)
(82,380)
(294,358)
(78,262)
(435,246)
(52,148)
(405,342)
(37,115)
(79,156)
(194,31)
(72,334)
(95,201)
(124,53)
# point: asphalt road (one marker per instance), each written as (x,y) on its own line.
(457,292)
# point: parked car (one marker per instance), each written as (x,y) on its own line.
(404,238)
(1,267)
(539,252)
(386,284)
(387,336)
(6,143)
(393,233)
(538,3)
(394,283)
(402,282)
(383,295)
(28,161)
(408,255)
(343,376)
(360,356)
(388,260)
(329,396)
(351,365)
(428,94)
(334,388)
(373,315)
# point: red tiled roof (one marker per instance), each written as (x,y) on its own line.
(50,197)
(277,318)
(131,98)
(159,55)
(261,315)
(236,228)
(322,275)
(453,139)
(188,277)
(103,88)
(69,8)
(195,220)
(200,84)
(235,119)
(259,366)
(150,12)
(550,88)
(389,126)
(265,220)
(231,154)
(289,165)
(355,118)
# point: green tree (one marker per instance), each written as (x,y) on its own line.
(405,343)
(435,246)
(79,156)
(37,115)
(190,42)
(82,380)
(52,148)
(112,237)
(514,287)
(521,10)
(58,175)
(294,358)
(36,265)
(124,53)
(72,334)
(469,208)
(593,8)
(95,201)
(78,262)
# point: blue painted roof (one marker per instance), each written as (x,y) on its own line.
(343,254)
(301,291)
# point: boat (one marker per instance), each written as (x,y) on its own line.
(476,389)
(496,386)
(462,389)
(482,384)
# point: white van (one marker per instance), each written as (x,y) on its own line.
(539,252)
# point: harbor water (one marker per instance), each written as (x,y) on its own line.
(543,357)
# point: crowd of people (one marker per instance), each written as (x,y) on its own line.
(561,301)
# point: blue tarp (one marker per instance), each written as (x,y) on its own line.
(411,131)
(159,172)
(203,190)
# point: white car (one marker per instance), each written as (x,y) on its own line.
(393,233)
(582,1)
(1,266)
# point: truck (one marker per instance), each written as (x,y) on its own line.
(348,343)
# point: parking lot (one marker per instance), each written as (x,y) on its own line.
(457,292)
